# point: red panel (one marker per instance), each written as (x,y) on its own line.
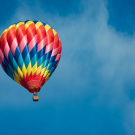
(41,36)
(11,38)
(20,29)
(56,44)
(31,35)
(30,28)
(4,41)
(40,30)
(49,40)
(20,36)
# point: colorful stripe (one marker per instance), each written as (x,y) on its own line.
(29,53)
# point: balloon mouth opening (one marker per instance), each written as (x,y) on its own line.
(33,86)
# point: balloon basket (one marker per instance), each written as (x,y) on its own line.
(35,97)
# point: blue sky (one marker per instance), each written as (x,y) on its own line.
(122,15)
(92,91)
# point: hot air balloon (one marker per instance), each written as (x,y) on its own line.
(29,53)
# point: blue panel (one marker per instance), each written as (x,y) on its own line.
(11,68)
(55,63)
(34,60)
(7,70)
(44,24)
(26,21)
(10,74)
(6,61)
(40,61)
(15,65)
(8,65)
(25,51)
(41,52)
(17,53)
(52,69)
(33,51)
(27,60)
(52,59)
(20,62)
(10,57)
(45,63)
(49,66)
(35,22)
(48,55)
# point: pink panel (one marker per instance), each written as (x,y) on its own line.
(41,44)
(55,51)
(58,57)
(32,43)
(23,43)
(6,50)
(57,63)
(49,47)
(13,46)
(1,56)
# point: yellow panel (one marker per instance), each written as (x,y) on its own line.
(20,23)
(11,27)
(34,69)
(27,24)
(16,79)
(46,72)
(38,24)
(54,32)
(33,87)
(20,72)
(46,79)
(43,71)
(47,27)
(47,75)
(39,69)
(24,70)
(29,68)
(16,74)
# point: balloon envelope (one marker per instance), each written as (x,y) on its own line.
(29,53)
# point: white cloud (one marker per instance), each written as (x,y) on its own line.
(94,57)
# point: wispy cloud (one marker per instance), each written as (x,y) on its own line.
(97,62)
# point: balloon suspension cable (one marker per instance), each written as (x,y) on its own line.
(35,97)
